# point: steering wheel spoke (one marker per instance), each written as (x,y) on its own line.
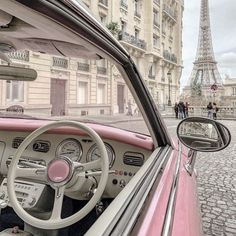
(58,200)
(92,165)
(32,173)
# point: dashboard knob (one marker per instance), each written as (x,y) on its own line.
(3,204)
(2,195)
(122,183)
(31,201)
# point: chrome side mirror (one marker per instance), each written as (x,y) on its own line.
(202,134)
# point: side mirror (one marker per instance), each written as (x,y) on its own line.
(202,134)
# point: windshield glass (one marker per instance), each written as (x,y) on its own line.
(70,88)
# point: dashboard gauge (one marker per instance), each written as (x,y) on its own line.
(94,154)
(70,148)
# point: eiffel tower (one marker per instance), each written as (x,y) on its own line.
(205,83)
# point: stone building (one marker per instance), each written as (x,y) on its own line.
(151,31)
(229,98)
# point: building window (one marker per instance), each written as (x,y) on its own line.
(136,8)
(163,27)
(101,94)
(102,67)
(156,41)
(15,91)
(152,72)
(82,93)
(234,91)
(156,18)
(136,33)
(123,27)
(103,19)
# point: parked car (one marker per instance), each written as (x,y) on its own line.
(72,161)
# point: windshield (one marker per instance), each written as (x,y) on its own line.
(71,88)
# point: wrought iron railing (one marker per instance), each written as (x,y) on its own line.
(19,55)
(157,2)
(104,2)
(83,66)
(123,4)
(169,11)
(169,56)
(132,40)
(60,62)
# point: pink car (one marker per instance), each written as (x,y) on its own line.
(83,147)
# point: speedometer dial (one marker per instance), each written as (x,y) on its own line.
(94,154)
(70,148)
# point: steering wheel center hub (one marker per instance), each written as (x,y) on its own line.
(59,171)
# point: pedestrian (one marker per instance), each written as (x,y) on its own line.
(176,110)
(210,110)
(130,112)
(186,109)
(215,110)
(181,110)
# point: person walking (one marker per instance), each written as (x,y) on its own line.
(215,110)
(210,110)
(181,110)
(176,110)
(186,110)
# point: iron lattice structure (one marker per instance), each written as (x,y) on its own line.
(205,79)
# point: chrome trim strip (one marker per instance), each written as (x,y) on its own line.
(168,223)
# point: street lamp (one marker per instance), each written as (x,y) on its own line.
(169,81)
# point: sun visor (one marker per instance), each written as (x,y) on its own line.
(36,45)
(74,50)
(56,48)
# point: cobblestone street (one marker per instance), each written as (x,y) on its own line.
(217,188)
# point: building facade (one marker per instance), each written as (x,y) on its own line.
(151,31)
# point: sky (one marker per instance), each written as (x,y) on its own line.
(223,30)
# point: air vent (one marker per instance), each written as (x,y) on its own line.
(17,142)
(41,146)
(133,159)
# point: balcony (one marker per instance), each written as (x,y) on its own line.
(169,12)
(103,2)
(132,40)
(60,62)
(83,66)
(123,4)
(19,55)
(157,1)
(101,70)
(169,56)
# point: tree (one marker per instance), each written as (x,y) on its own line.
(114,28)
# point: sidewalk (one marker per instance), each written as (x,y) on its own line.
(119,118)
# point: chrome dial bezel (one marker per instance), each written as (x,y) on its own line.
(110,152)
(66,141)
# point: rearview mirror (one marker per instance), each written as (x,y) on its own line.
(17,73)
(201,134)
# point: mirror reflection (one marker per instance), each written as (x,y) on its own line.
(203,135)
